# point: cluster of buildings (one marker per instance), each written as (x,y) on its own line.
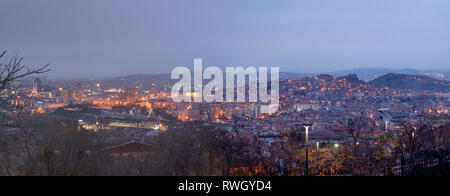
(332,105)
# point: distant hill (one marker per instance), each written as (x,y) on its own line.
(287,75)
(368,74)
(352,78)
(414,82)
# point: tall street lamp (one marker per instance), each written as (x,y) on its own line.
(306,125)
(318,156)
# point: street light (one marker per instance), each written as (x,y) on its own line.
(306,125)
(318,156)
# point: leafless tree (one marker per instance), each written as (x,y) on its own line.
(15,70)
(13,137)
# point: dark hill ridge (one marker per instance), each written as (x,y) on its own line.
(352,78)
(413,82)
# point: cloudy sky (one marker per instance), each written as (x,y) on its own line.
(119,37)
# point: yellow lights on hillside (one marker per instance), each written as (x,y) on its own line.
(192,94)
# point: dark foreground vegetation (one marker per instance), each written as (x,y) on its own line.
(42,146)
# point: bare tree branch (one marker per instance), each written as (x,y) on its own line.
(14,70)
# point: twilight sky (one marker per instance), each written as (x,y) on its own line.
(119,37)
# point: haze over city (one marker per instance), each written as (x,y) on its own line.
(307,88)
(112,38)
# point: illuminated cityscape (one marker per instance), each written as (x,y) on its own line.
(346,114)
(364,90)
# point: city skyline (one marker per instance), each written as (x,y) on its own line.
(365,74)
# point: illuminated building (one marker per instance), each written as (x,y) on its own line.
(36,84)
(130,92)
(154,90)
